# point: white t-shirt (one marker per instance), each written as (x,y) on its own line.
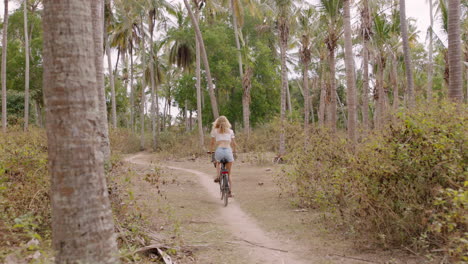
(222,137)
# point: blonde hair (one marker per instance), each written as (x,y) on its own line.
(222,124)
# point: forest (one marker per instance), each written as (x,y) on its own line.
(350,126)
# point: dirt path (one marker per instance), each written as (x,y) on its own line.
(256,227)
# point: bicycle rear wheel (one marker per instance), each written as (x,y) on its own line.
(226,189)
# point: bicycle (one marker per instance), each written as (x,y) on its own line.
(224,186)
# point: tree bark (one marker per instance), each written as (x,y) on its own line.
(98,37)
(247,85)
(283,28)
(331,117)
(407,55)
(305,57)
(365,61)
(198,34)
(154,93)
(132,92)
(199,93)
(350,78)
(396,99)
(26,74)
(82,223)
(112,85)
(143,86)
(380,93)
(455,52)
(3,70)
(236,36)
(430,72)
(323,95)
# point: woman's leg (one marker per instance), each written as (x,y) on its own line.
(218,170)
(229,167)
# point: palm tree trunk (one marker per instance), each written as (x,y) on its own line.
(396,99)
(26,74)
(199,94)
(407,55)
(143,86)
(365,62)
(431,60)
(198,34)
(305,84)
(112,84)
(323,96)
(3,73)
(98,25)
(154,92)
(132,92)
(186,116)
(455,52)
(236,36)
(82,223)
(247,85)
(380,94)
(283,41)
(350,78)
(331,117)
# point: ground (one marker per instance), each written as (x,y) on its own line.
(182,206)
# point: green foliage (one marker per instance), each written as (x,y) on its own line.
(406,186)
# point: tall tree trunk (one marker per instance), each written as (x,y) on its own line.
(431,61)
(247,87)
(323,95)
(198,34)
(26,74)
(3,73)
(407,55)
(112,84)
(143,86)
(305,57)
(36,112)
(98,25)
(154,92)
(396,99)
(132,92)
(380,93)
(455,52)
(236,36)
(331,116)
(350,78)
(186,116)
(283,28)
(199,93)
(365,61)
(82,223)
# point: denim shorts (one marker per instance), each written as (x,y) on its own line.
(224,153)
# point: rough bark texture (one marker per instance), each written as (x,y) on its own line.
(305,57)
(154,93)
(430,70)
(98,39)
(283,40)
(199,93)
(132,91)
(247,87)
(112,85)
(82,224)
(331,116)
(323,95)
(236,36)
(214,104)
(455,52)
(3,70)
(380,94)
(406,50)
(26,73)
(396,96)
(365,61)
(143,86)
(350,78)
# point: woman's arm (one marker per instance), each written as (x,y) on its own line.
(233,145)
(212,145)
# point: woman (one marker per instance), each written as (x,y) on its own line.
(222,137)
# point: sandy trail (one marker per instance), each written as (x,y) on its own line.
(264,248)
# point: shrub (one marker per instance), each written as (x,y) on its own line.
(406,184)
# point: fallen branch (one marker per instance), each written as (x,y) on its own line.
(257,245)
(360,259)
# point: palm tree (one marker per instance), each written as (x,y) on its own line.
(350,78)
(331,16)
(430,71)
(236,10)
(407,55)
(196,27)
(3,73)
(108,22)
(143,86)
(198,86)
(366,35)
(81,212)
(454,52)
(26,74)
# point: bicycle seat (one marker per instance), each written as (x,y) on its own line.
(223,161)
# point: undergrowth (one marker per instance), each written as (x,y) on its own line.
(406,186)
